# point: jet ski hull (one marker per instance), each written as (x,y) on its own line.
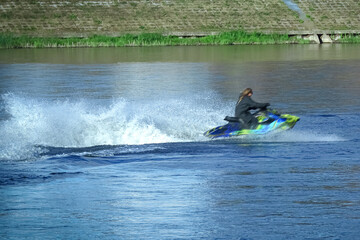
(269,121)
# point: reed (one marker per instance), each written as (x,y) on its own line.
(144,39)
(349,39)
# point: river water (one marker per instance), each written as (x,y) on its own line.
(108,143)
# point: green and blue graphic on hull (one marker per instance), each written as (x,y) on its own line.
(269,120)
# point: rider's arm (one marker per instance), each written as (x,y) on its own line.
(255,105)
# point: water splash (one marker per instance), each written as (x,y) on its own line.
(35,126)
(302,136)
(81,124)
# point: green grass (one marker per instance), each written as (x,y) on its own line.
(349,39)
(145,39)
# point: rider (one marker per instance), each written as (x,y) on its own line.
(244,104)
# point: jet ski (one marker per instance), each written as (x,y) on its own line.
(269,120)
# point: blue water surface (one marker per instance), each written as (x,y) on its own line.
(116,150)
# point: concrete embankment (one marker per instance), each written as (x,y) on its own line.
(317,20)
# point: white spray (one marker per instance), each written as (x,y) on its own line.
(35,123)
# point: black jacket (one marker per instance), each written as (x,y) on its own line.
(246,104)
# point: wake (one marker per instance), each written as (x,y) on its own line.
(82,123)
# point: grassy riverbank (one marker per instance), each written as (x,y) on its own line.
(146,39)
